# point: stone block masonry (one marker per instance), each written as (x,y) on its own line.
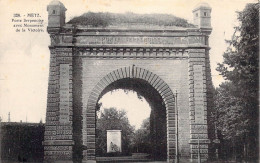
(86,62)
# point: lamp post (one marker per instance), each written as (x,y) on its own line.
(177,132)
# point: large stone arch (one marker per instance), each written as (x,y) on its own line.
(130,72)
(80,57)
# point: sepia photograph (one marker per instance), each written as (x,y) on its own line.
(99,81)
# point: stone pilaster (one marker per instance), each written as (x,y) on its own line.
(198,104)
(58,140)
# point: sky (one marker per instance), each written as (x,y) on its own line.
(24,56)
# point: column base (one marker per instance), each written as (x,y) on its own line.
(196,160)
(89,161)
(57,161)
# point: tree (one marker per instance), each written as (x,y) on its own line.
(232,120)
(142,138)
(230,111)
(240,64)
(236,101)
(113,119)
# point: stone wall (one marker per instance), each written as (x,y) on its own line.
(84,62)
(185,71)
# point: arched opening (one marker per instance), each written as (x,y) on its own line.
(157,148)
(156,92)
(129,112)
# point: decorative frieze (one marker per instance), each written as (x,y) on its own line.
(159,40)
(133,40)
(131,53)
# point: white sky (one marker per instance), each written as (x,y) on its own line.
(24,57)
(137,110)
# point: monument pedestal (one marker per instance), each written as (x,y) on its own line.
(114,141)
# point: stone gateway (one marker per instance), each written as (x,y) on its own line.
(87,62)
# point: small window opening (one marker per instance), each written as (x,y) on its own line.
(53,11)
(197,14)
(205,13)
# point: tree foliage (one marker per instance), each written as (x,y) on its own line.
(142,138)
(236,100)
(240,65)
(230,112)
(113,119)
